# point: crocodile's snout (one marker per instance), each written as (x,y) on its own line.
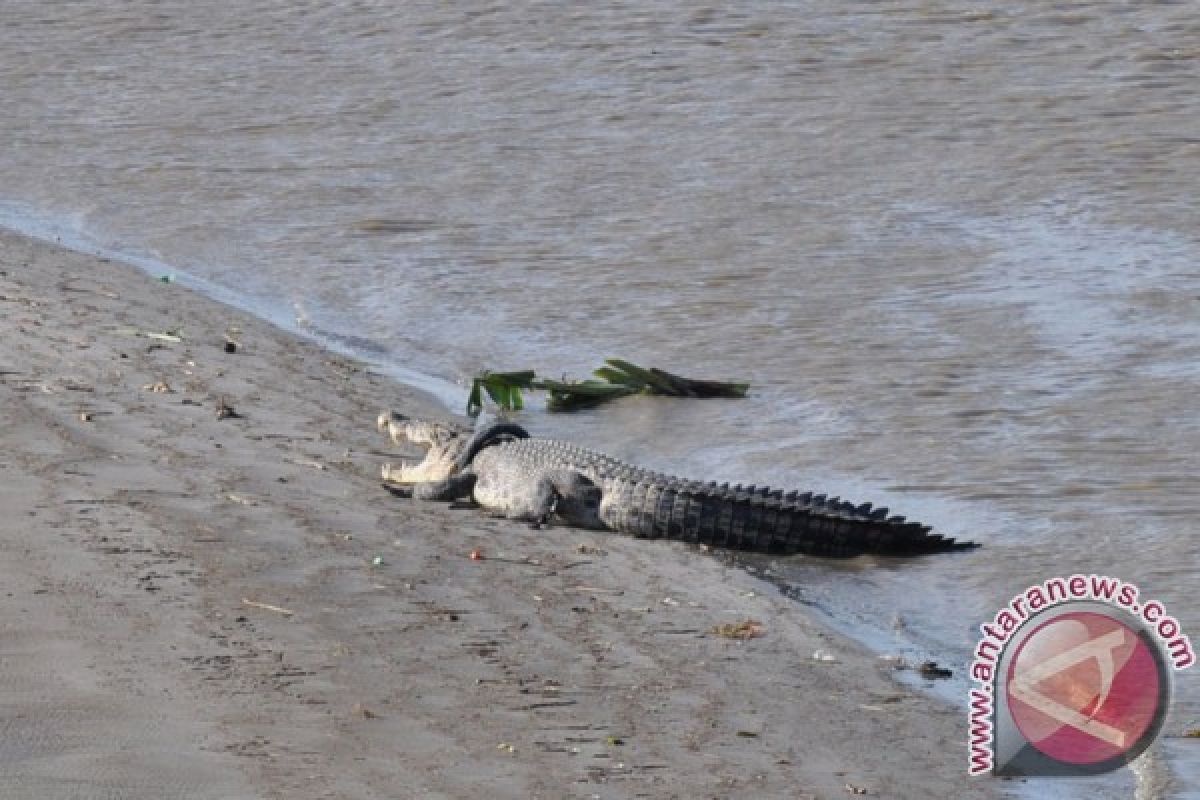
(395,425)
(388,418)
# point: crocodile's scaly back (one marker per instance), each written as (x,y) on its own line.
(655,505)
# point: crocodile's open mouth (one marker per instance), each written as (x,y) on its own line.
(441,443)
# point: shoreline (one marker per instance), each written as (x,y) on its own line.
(153,552)
(52,232)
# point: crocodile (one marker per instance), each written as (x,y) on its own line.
(508,473)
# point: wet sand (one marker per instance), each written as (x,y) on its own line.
(193,606)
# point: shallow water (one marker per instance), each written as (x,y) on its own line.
(955,250)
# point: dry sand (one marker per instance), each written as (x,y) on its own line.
(135,525)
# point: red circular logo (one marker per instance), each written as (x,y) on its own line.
(1084,688)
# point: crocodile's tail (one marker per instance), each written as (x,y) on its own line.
(766,521)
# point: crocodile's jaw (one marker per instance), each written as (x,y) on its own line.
(401,429)
(442,443)
(439,464)
(407,474)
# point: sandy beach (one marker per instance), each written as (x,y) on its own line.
(225,608)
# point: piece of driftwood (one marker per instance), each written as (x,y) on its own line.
(287,612)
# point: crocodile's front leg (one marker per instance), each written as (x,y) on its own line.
(562,493)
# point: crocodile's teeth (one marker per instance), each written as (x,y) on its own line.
(395,473)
